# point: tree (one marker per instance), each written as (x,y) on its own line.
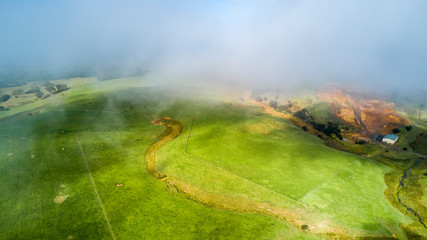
(396,131)
(408,128)
(258,99)
(283,108)
(39,94)
(305,115)
(61,87)
(274,104)
(50,87)
(4,98)
(304,128)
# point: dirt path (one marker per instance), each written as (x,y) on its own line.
(365,131)
(173,130)
(297,217)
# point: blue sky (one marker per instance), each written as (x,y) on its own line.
(279,42)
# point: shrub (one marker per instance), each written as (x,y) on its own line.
(396,131)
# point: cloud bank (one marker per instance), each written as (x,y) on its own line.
(382,43)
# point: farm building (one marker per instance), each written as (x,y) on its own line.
(390,138)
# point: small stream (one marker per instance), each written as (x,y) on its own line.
(402,186)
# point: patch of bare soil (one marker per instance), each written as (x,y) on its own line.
(370,115)
(60,199)
(160,121)
(379,116)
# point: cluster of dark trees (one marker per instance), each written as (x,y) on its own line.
(273,103)
(329,128)
(285,108)
(50,87)
(55,88)
(35,90)
(4,98)
(397,130)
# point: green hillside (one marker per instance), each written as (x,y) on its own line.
(61,158)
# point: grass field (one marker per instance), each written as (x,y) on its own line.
(267,159)
(41,160)
(233,152)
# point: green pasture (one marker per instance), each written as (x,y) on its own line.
(42,156)
(246,155)
(233,151)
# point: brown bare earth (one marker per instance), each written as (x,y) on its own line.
(160,121)
(60,199)
(371,116)
(379,116)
